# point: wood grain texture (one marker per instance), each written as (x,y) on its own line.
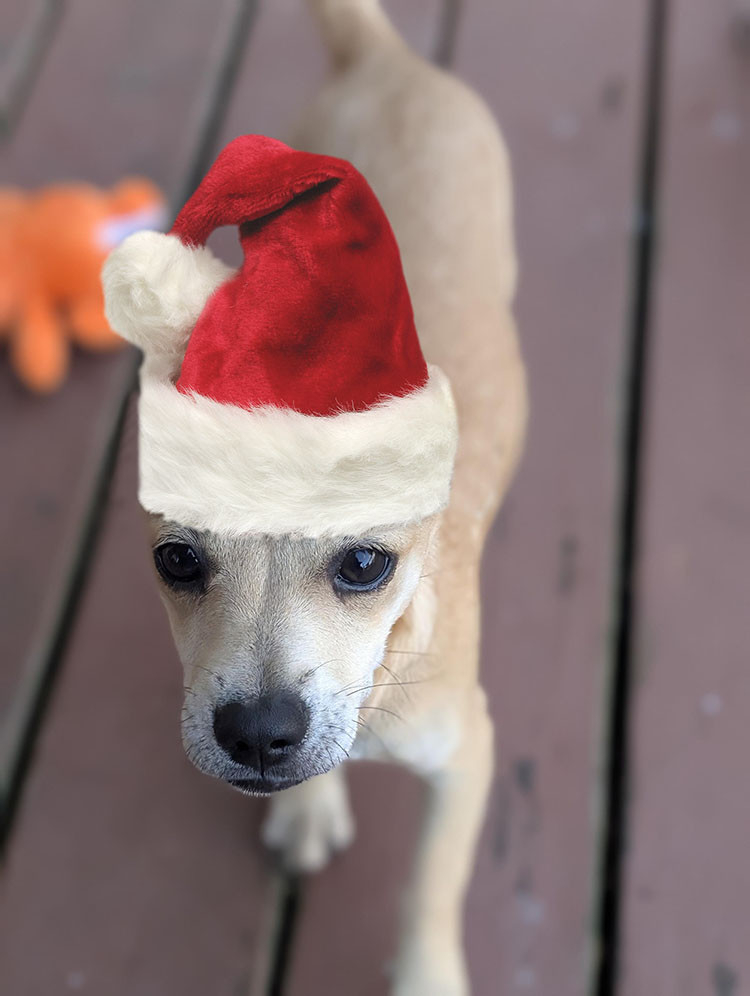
(111,99)
(566,87)
(687,884)
(17,20)
(13,18)
(26,32)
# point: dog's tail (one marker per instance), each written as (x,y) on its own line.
(352,28)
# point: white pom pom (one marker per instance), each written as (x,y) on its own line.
(155,288)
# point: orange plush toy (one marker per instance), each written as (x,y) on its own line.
(52,246)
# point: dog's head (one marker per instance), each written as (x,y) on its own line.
(286,413)
(279,639)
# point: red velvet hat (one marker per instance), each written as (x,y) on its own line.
(290,395)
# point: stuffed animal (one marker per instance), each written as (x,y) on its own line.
(52,246)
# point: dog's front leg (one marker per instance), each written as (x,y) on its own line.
(307,823)
(431,960)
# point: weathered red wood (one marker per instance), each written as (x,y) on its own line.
(567,88)
(129,872)
(687,884)
(111,99)
(26,31)
(347,929)
(565,83)
(13,17)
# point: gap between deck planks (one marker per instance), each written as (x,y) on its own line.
(686,884)
(28,31)
(616,749)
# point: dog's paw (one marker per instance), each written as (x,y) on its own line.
(310,822)
(441,974)
(429,985)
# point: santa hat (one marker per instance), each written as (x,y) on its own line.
(290,395)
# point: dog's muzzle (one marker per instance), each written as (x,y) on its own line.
(263,735)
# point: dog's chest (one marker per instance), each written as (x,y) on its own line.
(424,745)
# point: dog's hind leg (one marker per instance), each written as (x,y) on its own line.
(431,960)
(308,823)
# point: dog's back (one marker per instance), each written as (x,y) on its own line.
(433,154)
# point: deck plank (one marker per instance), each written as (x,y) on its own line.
(687,879)
(566,85)
(125,109)
(16,19)
(13,18)
(26,32)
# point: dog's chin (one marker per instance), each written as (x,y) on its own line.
(258,785)
(253,782)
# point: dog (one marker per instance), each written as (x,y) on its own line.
(297,650)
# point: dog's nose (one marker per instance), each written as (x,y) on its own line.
(263,732)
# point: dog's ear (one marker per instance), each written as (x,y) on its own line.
(155,288)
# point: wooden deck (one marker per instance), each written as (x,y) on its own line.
(616,633)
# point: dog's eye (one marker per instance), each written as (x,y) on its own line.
(178,563)
(363,569)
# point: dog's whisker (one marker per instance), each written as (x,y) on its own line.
(404,681)
(413,653)
(384,684)
(343,751)
(383,709)
(349,684)
(214,675)
(341,729)
(330,757)
(308,674)
(390,671)
(401,681)
(368,729)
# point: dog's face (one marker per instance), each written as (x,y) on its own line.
(279,639)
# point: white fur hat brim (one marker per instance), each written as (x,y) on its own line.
(226,469)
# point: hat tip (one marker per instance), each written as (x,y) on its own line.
(155,288)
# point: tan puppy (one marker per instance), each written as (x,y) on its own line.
(390,671)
